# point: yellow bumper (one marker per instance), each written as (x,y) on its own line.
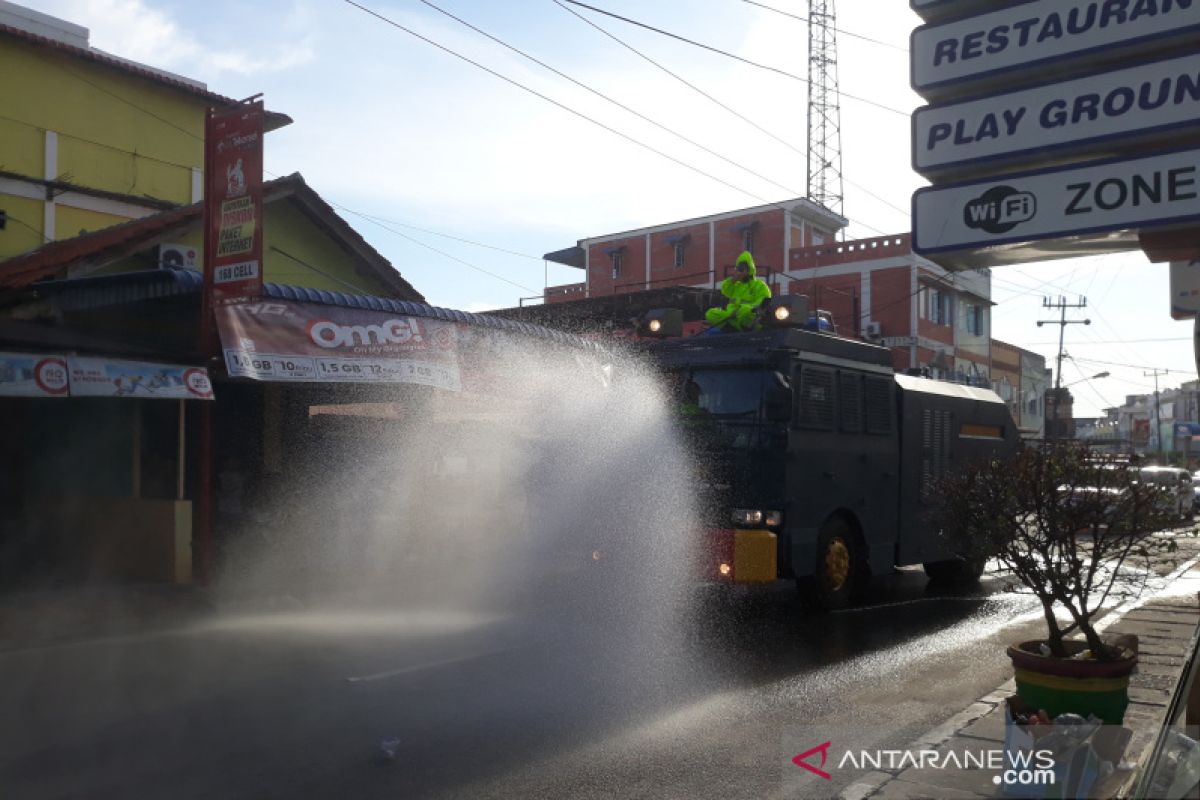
(754,557)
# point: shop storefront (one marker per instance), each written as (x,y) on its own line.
(95,468)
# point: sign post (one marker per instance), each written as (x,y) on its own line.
(233,229)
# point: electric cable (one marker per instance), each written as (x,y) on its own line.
(554,102)
(743,118)
(839,30)
(728,54)
(604,96)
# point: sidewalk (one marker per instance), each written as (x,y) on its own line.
(51,616)
(1166,625)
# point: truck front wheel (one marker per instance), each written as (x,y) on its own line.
(840,571)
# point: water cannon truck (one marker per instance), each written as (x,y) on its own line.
(816,460)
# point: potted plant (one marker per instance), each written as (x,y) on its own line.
(1076,532)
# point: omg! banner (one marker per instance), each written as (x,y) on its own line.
(302,342)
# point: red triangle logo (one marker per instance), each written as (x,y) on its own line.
(801,760)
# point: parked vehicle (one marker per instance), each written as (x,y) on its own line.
(1178,488)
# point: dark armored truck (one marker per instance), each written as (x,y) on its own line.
(817,460)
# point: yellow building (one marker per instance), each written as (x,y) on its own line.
(87,139)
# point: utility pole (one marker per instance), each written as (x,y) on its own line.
(1062,322)
(1157,415)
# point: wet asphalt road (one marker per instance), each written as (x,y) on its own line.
(569,703)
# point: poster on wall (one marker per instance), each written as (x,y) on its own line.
(233,209)
(105,377)
(33,375)
(307,343)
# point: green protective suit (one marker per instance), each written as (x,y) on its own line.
(744,295)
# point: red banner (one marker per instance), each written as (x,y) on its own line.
(233,209)
(300,342)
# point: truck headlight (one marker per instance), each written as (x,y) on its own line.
(746,516)
(773,519)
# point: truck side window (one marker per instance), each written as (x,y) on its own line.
(814,401)
(850,404)
(879,405)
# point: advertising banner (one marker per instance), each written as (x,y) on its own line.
(1086,206)
(104,377)
(1016,44)
(302,342)
(1090,116)
(33,375)
(233,211)
(46,375)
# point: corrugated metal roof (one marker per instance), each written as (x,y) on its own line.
(103,291)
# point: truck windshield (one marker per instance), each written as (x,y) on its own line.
(722,392)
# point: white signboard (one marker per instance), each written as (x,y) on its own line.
(1185,289)
(931,10)
(103,377)
(1083,203)
(1013,43)
(231,273)
(1092,115)
(33,375)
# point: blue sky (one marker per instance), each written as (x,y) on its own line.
(392,128)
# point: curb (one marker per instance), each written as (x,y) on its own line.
(871,783)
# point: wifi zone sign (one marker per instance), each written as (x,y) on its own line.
(999,210)
(1095,203)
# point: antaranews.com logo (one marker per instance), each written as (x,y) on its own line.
(1010,768)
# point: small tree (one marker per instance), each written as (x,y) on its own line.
(1071,529)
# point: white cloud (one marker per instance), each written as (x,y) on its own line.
(133,30)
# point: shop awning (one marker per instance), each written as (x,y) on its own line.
(52,375)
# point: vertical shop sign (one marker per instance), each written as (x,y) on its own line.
(233,208)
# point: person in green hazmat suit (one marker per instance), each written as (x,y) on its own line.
(746,292)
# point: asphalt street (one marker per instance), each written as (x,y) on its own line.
(568,701)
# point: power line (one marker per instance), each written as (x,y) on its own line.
(319,271)
(1123,341)
(728,54)
(1116,363)
(600,94)
(839,30)
(100,144)
(45,239)
(375,217)
(1088,380)
(679,78)
(743,118)
(100,88)
(554,102)
(443,253)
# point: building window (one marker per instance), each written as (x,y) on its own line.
(748,239)
(680,247)
(939,308)
(616,264)
(973,317)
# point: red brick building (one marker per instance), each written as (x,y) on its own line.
(695,252)
(877,288)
